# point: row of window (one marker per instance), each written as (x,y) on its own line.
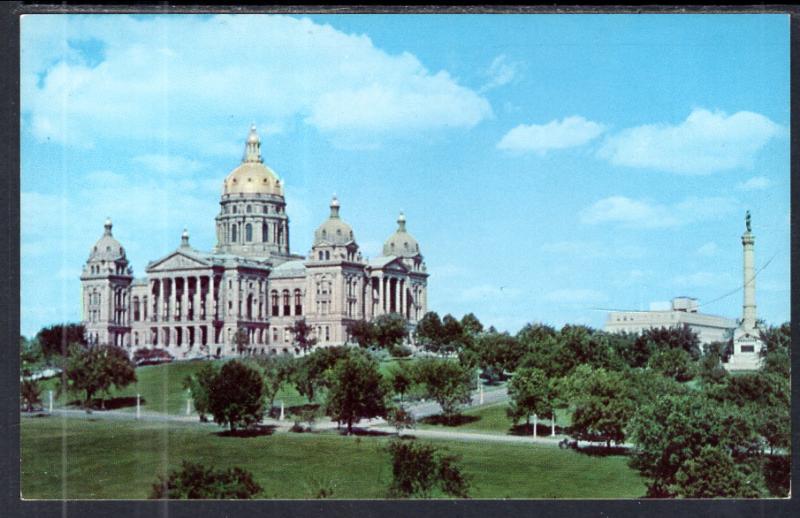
(248,209)
(248,233)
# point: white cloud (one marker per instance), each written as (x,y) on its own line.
(708,250)
(706,142)
(500,73)
(646,214)
(541,138)
(755,183)
(157,73)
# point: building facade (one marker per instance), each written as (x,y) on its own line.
(192,303)
(683,310)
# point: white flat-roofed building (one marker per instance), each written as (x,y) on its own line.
(682,310)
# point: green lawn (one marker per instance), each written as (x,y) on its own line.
(161,388)
(493,419)
(75,458)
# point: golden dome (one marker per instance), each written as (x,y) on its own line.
(252,178)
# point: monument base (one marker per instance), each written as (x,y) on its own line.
(746,351)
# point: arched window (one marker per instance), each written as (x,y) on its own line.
(233,233)
(264,233)
(274,303)
(327,254)
(298,302)
(249,209)
(234,209)
(136,309)
(286,308)
(248,232)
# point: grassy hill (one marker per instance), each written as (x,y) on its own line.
(81,458)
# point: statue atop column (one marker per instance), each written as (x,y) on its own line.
(747,220)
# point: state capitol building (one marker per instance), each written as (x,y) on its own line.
(192,303)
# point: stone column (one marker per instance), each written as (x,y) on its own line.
(196,298)
(171,301)
(403,301)
(749,306)
(380,296)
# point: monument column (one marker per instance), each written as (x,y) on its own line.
(749,309)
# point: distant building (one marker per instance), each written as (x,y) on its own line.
(193,302)
(683,310)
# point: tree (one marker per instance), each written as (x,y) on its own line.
(430,333)
(677,337)
(357,390)
(496,353)
(30,355)
(277,372)
(530,393)
(709,367)
(447,382)
(311,372)
(402,379)
(302,335)
(362,332)
(241,340)
(471,325)
(776,354)
(95,370)
(389,331)
(673,363)
(236,398)
(400,418)
(603,404)
(195,481)
(453,334)
(199,385)
(30,394)
(672,430)
(417,468)
(713,474)
(631,348)
(56,340)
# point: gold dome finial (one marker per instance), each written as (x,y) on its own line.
(401,222)
(185,239)
(108,226)
(252,149)
(334,206)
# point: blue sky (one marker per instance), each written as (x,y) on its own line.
(548,165)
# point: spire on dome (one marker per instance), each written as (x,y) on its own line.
(108,226)
(252,149)
(401,222)
(335,207)
(185,239)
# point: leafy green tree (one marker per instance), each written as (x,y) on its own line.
(56,340)
(709,368)
(447,382)
(430,334)
(453,334)
(302,335)
(497,353)
(603,404)
(390,330)
(631,348)
(311,372)
(776,354)
(531,393)
(542,353)
(195,481)
(357,390)
(362,332)
(400,418)
(676,337)
(673,363)
(471,325)
(199,386)
(402,379)
(95,370)
(671,430)
(417,468)
(580,345)
(713,474)
(30,394)
(236,398)
(277,371)
(30,356)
